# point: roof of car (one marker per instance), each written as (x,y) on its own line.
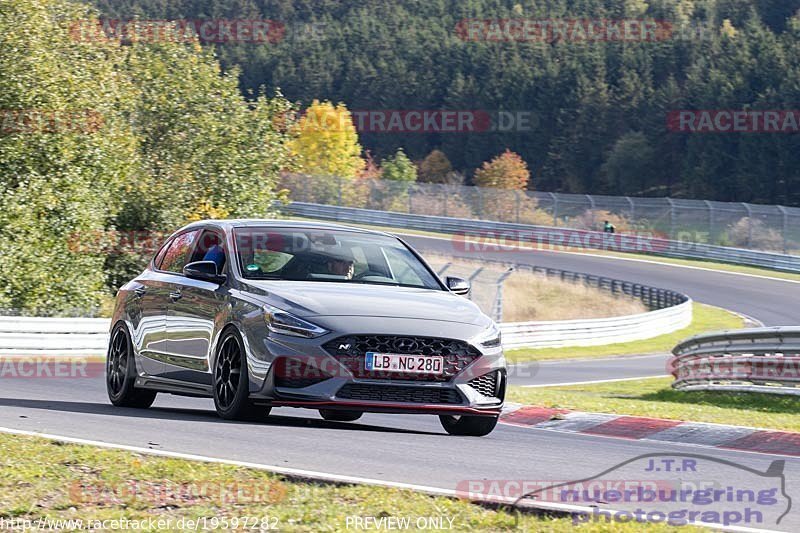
(278,223)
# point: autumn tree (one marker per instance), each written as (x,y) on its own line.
(506,171)
(326,142)
(435,168)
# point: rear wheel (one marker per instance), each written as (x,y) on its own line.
(121,373)
(340,416)
(231,382)
(469,426)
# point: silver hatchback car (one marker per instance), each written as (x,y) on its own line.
(264,313)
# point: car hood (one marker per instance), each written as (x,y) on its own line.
(309,299)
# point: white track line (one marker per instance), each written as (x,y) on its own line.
(335,478)
(590,382)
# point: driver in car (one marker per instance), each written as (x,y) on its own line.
(339,266)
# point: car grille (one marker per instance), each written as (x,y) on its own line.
(486,384)
(351,352)
(389,393)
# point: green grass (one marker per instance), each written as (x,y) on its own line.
(723,267)
(41,478)
(656,398)
(706,318)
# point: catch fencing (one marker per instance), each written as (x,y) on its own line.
(763,360)
(489,234)
(772,228)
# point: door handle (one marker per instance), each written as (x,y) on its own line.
(140,292)
(175,296)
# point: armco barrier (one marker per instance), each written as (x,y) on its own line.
(671,311)
(548,236)
(748,360)
(53,336)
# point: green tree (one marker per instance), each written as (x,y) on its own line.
(630,163)
(399,168)
(60,184)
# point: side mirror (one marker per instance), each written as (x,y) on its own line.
(204,271)
(458,285)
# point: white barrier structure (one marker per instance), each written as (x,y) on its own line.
(53,336)
(599,331)
(765,360)
(89,336)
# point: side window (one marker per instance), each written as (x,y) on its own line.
(401,265)
(160,256)
(361,264)
(211,247)
(179,252)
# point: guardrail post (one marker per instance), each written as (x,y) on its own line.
(749,225)
(555,209)
(518,202)
(785,230)
(472,278)
(498,306)
(671,218)
(592,208)
(339,181)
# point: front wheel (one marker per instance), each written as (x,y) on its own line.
(121,373)
(231,382)
(340,416)
(469,426)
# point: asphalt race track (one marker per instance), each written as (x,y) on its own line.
(414,449)
(393,448)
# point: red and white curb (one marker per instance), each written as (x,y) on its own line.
(654,429)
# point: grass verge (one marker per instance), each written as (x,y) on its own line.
(722,267)
(656,398)
(40,479)
(706,318)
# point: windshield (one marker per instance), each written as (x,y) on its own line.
(329,256)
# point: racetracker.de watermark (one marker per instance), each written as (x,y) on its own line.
(498,242)
(733,121)
(49,121)
(209,31)
(564,30)
(40,367)
(420,121)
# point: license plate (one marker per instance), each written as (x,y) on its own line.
(409,364)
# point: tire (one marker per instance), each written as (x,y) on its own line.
(231,382)
(121,373)
(469,426)
(334,415)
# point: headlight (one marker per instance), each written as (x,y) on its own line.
(491,338)
(279,321)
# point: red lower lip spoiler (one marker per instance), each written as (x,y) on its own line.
(387,406)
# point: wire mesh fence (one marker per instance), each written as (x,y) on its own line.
(771,228)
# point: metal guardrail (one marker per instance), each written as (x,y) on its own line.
(598,331)
(670,311)
(763,360)
(471,233)
(34,336)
